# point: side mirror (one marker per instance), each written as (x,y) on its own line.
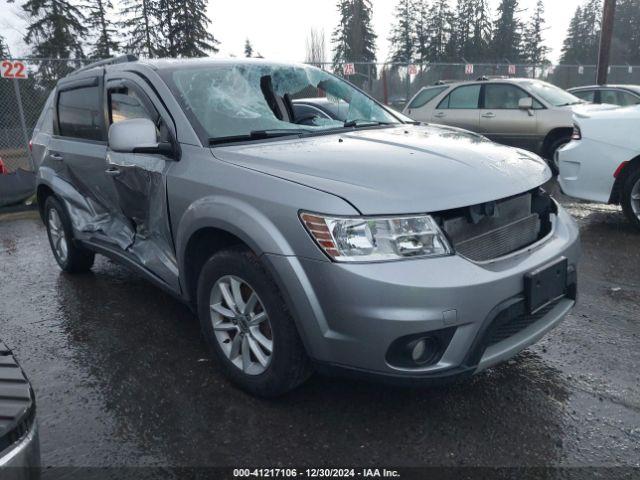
(525,103)
(138,135)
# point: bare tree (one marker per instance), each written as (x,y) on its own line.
(316,48)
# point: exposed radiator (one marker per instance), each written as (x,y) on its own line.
(512,226)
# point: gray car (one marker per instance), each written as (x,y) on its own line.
(524,113)
(621,95)
(369,246)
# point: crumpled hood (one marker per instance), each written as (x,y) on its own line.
(406,169)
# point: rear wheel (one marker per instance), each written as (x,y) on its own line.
(71,258)
(631,197)
(247,325)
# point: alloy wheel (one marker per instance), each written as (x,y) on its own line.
(58,236)
(241,325)
(635,199)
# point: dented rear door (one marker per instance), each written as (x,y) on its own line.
(76,158)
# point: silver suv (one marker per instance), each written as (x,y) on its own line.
(367,246)
(524,113)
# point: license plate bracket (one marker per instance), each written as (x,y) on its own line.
(546,284)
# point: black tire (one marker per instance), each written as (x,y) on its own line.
(77,259)
(551,153)
(631,182)
(289,366)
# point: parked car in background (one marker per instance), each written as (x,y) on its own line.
(368,245)
(602,162)
(621,95)
(524,113)
(19,442)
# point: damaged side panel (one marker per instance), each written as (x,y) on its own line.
(140,186)
(116,201)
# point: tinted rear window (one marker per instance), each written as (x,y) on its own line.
(462,98)
(80,113)
(425,96)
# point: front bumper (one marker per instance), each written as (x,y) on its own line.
(349,315)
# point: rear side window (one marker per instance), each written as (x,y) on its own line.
(425,96)
(586,95)
(462,98)
(80,113)
(45,122)
(626,99)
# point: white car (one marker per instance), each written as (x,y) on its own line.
(602,162)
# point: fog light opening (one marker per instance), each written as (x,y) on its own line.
(424,350)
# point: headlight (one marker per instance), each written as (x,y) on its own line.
(375,239)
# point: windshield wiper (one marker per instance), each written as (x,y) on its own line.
(364,123)
(572,103)
(259,135)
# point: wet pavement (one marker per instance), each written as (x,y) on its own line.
(122,377)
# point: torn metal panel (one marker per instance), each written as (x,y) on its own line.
(142,198)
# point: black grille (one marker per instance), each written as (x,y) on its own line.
(513,320)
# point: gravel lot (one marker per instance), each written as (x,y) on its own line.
(123,378)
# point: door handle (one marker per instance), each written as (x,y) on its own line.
(56,156)
(489,115)
(439,114)
(112,171)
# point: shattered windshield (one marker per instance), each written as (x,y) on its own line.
(245,101)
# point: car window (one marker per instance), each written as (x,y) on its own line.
(425,96)
(626,99)
(586,95)
(227,102)
(45,121)
(462,98)
(308,112)
(80,113)
(503,97)
(126,104)
(609,96)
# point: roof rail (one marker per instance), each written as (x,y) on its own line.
(446,82)
(486,78)
(108,61)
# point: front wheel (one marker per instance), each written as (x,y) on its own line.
(631,198)
(248,327)
(552,159)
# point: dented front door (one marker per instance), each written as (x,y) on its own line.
(139,180)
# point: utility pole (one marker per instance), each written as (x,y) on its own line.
(606,34)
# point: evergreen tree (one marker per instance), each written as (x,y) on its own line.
(582,42)
(507,33)
(421,32)
(478,47)
(248,49)
(439,31)
(403,36)
(533,48)
(4,50)
(626,33)
(55,28)
(354,39)
(461,33)
(100,23)
(141,27)
(184,26)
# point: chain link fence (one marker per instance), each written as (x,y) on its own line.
(22,100)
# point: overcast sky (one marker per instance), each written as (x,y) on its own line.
(278,28)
